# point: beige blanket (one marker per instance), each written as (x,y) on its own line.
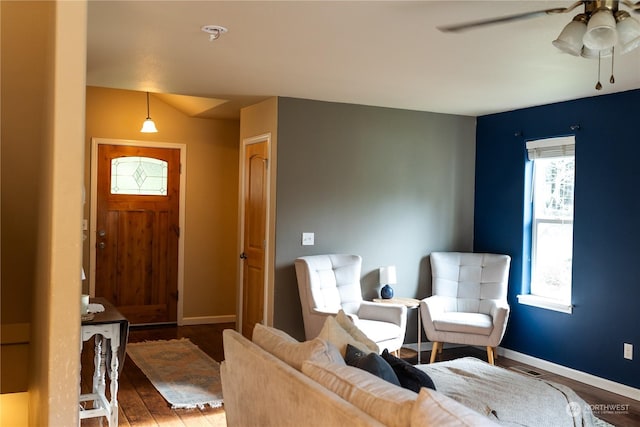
(510,398)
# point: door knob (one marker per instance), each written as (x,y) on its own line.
(102,233)
(102,245)
(243,256)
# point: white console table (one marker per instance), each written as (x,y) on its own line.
(111,330)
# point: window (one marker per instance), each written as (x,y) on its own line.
(551,223)
(138,175)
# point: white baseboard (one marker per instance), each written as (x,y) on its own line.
(583,377)
(207,320)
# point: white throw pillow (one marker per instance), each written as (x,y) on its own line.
(348,325)
(293,352)
(335,334)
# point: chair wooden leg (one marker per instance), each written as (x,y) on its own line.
(490,353)
(495,353)
(434,351)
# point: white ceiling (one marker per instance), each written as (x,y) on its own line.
(382,53)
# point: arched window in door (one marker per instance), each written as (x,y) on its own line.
(139,175)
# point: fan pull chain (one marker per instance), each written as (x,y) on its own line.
(612,80)
(599,85)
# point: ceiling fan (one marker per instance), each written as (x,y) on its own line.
(595,33)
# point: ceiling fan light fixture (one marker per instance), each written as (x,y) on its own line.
(601,31)
(593,53)
(570,39)
(628,32)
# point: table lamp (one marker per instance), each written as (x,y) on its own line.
(387,278)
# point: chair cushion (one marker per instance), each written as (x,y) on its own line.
(372,363)
(378,331)
(293,352)
(467,323)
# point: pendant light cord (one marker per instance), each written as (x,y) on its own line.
(599,85)
(612,80)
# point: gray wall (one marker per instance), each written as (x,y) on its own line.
(389,185)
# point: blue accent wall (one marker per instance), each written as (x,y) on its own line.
(606,258)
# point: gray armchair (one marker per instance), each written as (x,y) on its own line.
(330,283)
(469,300)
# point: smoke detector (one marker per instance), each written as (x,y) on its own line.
(214,31)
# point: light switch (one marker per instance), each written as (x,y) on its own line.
(308,239)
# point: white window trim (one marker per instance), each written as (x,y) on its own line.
(548,148)
(546,303)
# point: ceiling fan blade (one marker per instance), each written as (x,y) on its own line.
(635,7)
(456,28)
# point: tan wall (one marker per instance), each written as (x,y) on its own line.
(58,104)
(211,190)
(43,71)
(56,327)
(23,88)
(43,93)
(255,120)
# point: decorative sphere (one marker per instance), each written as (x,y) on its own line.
(386,292)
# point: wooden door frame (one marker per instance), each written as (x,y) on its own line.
(267,315)
(94,208)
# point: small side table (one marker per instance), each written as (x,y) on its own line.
(409,303)
(109,327)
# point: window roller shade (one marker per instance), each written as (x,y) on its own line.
(551,147)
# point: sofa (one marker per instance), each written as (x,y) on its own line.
(275,380)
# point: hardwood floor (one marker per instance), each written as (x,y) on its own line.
(142,405)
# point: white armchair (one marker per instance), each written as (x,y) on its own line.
(469,300)
(330,283)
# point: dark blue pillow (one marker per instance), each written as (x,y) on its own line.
(371,363)
(409,376)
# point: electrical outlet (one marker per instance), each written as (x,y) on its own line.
(628,351)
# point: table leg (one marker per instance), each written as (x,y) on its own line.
(113,418)
(419,334)
(99,383)
(80,382)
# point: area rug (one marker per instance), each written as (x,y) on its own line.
(183,374)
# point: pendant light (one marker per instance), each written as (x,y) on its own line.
(148,126)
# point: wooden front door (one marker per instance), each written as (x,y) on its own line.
(138,230)
(255,214)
